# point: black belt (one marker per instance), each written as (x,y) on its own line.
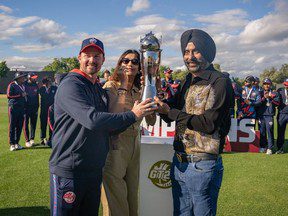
(195,157)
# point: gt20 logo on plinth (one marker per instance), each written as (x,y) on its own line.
(159,174)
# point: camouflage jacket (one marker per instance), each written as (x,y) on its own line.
(201,112)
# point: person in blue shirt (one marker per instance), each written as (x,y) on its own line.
(250,98)
(266,112)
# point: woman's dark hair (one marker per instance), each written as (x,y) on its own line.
(137,79)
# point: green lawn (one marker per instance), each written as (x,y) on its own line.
(253,184)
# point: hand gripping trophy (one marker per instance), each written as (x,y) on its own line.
(150,62)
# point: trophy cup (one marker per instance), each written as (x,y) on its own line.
(150,61)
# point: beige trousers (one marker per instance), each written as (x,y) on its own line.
(121,176)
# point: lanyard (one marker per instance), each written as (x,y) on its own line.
(22,87)
(248,96)
(47,89)
(267,99)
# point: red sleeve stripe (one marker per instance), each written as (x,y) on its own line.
(276,102)
(49,119)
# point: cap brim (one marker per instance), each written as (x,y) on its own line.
(92,45)
(285,83)
(34,77)
(20,76)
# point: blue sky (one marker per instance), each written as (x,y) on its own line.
(250,35)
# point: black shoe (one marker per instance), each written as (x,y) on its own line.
(280,151)
(43,141)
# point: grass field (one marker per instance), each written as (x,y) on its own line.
(253,184)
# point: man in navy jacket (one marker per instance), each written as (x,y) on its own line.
(266,112)
(81,134)
(17,98)
(47,92)
(31,111)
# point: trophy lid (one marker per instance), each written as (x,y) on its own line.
(149,43)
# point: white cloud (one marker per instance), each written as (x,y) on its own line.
(137,5)
(249,46)
(47,32)
(13,26)
(6,9)
(29,63)
(272,27)
(230,20)
(243,46)
(33,47)
(170,32)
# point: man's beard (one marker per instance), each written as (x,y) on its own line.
(91,71)
(199,64)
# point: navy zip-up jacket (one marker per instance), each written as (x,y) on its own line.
(282,108)
(47,96)
(82,126)
(32,91)
(268,107)
(14,95)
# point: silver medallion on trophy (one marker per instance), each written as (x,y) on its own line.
(150,62)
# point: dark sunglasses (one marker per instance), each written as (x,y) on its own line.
(134,61)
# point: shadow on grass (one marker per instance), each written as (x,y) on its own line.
(24,211)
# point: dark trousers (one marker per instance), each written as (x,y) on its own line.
(16,118)
(282,120)
(266,127)
(43,122)
(31,115)
(74,196)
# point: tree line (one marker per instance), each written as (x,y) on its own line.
(61,65)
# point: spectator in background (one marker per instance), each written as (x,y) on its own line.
(266,112)
(168,76)
(106,76)
(237,94)
(167,89)
(17,98)
(47,92)
(31,111)
(282,117)
(58,78)
(176,86)
(232,108)
(257,84)
(250,98)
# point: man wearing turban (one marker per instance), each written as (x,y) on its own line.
(201,112)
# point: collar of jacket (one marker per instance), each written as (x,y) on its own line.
(93,80)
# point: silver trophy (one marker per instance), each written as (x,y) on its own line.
(150,62)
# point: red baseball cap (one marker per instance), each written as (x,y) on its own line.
(285,83)
(92,42)
(168,70)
